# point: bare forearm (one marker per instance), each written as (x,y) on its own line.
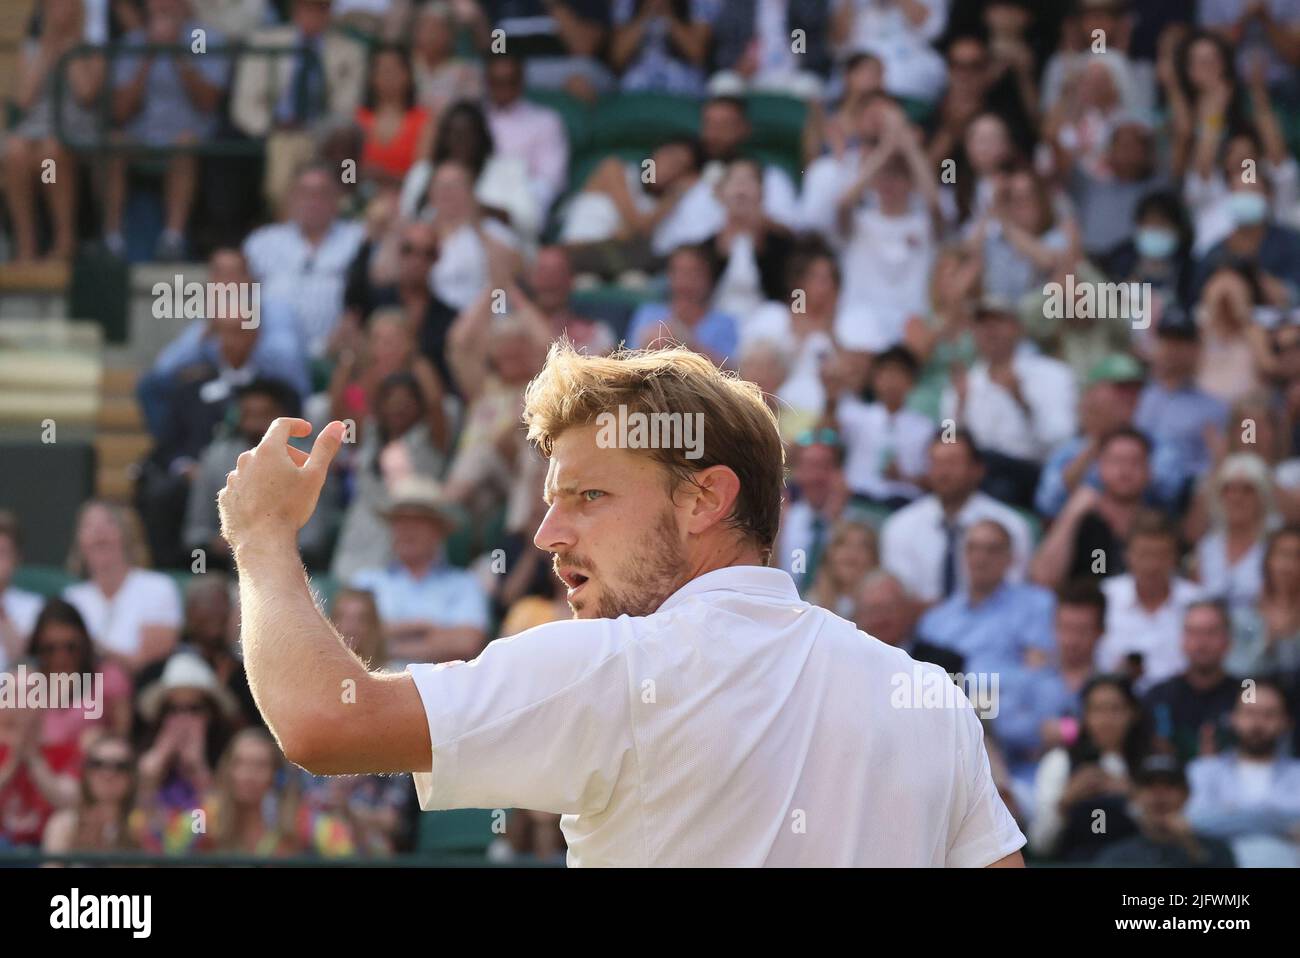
(296,664)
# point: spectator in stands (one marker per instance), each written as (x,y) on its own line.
(1190,710)
(304,260)
(531,133)
(276,347)
(560,40)
(1172,406)
(1091,773)
(493,356)
(1266,633)
(862,76)
(1253,152)
(821,500)
(1205,101)
(887,443)
(752,251)
(1237,356)
(1230,556)
(431,612)
(315,72)
(989,621)
(18,607)
(441,77)
(101,820)
(1108,198)
(1093,124)
(1017,404)
(399,442)
(550,293)
(1025,241)
(637,210)
(885,611)
(1132,74)
(398,130)
(500,181)
(1145,606)
(133,614)
(1250,796)
(1038,703)
(1165,839)
(885,218)
(1256,246)
(1159,250)
(852,553)
(724,131)
(1107,404)
(34,143)
(211,631)
(36,777)
(474,249)
(687,317)
(921,542)
(981,123)
(662,45)
(901,36)
(756,48)
(258,405)
(800,331)
(1087,538)
(253,803)
(189,716)
(355,617)
(164,101)
(390,349)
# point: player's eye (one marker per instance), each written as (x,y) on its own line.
(591,495)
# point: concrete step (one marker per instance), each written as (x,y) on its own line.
(119,414)
(114,483)
(118,381)
(121,449)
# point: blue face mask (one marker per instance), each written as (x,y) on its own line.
(1247,208)
(1155,243)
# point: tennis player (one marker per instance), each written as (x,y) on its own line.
(695,712)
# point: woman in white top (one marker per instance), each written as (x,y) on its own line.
(134,615)
(1091,773)
(1230,557)
(499,182)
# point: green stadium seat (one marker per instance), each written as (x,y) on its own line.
(642,121)
(459,830)
(778,123)
(46,580)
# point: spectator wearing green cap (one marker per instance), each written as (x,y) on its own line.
(1109,401)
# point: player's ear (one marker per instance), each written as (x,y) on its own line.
(715,492)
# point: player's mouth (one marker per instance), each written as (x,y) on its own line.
(574,579)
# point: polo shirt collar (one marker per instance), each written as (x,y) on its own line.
(747,579)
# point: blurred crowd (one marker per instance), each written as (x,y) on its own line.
(1096,507)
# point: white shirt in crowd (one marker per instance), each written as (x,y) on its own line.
(461,272)
(1207,202)
(913,544)
(21,609)
(536,135)
(702,215)
(913,68)
(1002,425)
(1237,583)
(802,388)
(886,267)
(735,726)
(145,598)
(310,278)
(1157,636)
(874,437)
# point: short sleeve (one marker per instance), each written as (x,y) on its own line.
(980,831)
(541,720)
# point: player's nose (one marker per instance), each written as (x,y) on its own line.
(556,533)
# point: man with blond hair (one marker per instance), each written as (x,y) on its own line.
(695,712)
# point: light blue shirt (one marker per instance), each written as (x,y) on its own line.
(1026,699)
(716,332)
(444,596)
(1219,806)
(1180,416)
(996,633)
(1167,476)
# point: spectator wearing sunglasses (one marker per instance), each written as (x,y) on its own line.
(101,820)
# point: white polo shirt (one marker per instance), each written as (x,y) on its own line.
(735,726)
